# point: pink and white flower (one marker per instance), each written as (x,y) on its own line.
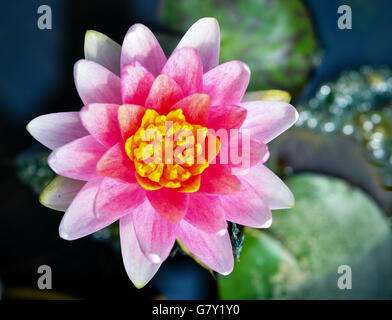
(97,151)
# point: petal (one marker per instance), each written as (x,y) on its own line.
(116,198)
(136,82)
(155,234)
(141,45)
(247,207)
(60,192)
(147,184)
(79,219)
(241,152)
(101,120)
(169,203)
(96,84)
(191,185)
(204,35)
(218,179)
(129,118)
(57,129)
(185,67)
(116,164)
(196,108)
(226,83)
(164,93)
(273,190)
(102,50)
(77,159)
(213,250)
(206,213)
(139,269)
(226,117)
(268,119)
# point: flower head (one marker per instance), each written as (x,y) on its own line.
(156,146)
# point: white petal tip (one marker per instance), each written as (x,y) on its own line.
(267,224)
(154,258)
(225,273)
(64,236)
(139,285)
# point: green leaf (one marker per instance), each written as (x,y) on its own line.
(33,170)
(331,224)
(266,270)
(274,37)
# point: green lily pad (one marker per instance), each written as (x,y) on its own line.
(266,270)
(371,279)
(331,224)
(274,37)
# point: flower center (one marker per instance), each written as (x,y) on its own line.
(170,152)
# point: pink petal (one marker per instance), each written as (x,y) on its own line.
(164,93)
(247,207)
(226,83)
(139,269)
(155,234)
(101,120)
(206,213)
(136,82)
(79,219)
(241,152)
(141,45)
(218,179)
(185,67)
(196,108)
(96,84)
(57,129)
(204,35)
(268,119)
(102,50)
(213,250)
(169,203)
(77,159)
(60,192)
(129,118)
(226,117)
(116,164)
(116,198)
(270,187)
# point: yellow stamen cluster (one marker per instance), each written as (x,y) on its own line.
(168,151)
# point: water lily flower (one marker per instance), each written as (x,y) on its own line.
(99,151)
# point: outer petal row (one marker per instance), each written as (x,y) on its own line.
(57,129)
(102,50)
(268,119)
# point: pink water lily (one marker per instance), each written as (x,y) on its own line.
(98,151)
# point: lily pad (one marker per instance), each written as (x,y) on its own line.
(266,270)
(274,37)
(331,224)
